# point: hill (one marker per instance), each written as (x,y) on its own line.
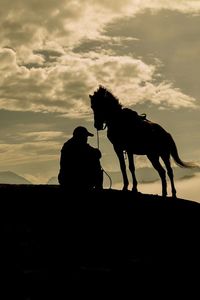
(144,175)
(53,180)
(148,174)
(12,178)
(102,238)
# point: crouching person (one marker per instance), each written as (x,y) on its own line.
(80,167)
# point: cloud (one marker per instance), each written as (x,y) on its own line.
(187,188)
(7,60)
(41,72)
(166,96)
(42,135)
(186,182)
(64,87)
(37,23)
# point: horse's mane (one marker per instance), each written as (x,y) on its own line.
(105,93)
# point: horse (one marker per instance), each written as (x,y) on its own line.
(132,133)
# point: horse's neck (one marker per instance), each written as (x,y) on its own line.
(124,121)
(129,113)
(114,116)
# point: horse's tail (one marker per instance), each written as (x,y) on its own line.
(175,155)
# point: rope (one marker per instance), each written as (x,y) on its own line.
(101,165)
(97,139)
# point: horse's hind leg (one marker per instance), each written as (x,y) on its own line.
(166,159)
(161,171)
(132,170)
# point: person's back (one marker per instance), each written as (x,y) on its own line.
(80,163)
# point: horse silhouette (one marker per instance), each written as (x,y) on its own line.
(134,134)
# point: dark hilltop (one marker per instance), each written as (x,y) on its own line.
(54,241)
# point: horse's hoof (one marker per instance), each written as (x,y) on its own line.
(135,191)
(125,189)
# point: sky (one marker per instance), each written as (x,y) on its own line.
(53,54)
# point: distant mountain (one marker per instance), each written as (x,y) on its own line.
(144,175)
(147,174)
(12,178)
(53,180)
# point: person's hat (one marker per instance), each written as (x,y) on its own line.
(81,131)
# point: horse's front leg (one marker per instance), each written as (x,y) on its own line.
(132,170)
(120,155)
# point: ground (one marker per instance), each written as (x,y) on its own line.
(54,240)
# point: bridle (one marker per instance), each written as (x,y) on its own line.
(104,127)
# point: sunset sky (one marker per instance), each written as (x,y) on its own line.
(54,53)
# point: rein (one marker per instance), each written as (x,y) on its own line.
(101,165)
(97,139)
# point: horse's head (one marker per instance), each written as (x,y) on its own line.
(103,104)
(97,105)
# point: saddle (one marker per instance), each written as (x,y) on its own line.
(132,114)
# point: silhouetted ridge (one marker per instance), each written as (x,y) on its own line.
(53,239)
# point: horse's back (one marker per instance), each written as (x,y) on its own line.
(137,134)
